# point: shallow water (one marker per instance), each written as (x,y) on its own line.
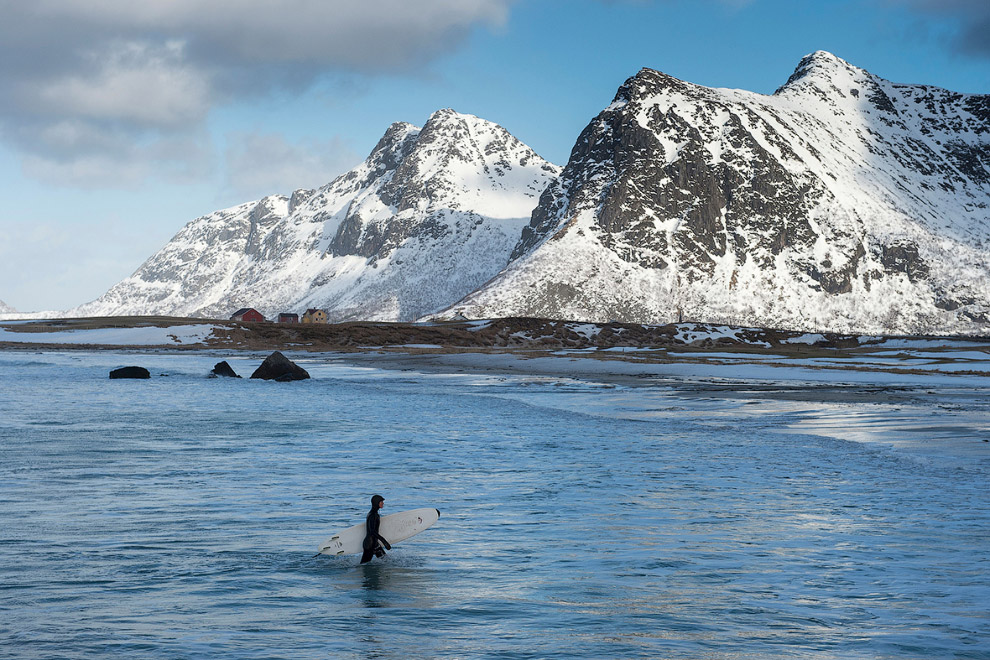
(178,517)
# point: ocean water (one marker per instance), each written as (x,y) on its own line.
(178,518)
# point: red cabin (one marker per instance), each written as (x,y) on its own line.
(248,314)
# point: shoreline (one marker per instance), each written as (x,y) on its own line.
(920,392)
(719,360)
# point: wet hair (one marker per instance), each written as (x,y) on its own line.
(376,499)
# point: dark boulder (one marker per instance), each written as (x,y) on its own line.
(130,372)
(278,367)
(223,369)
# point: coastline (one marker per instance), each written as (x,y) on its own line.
(919,393)
(716,356)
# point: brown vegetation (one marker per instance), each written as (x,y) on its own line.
(498,334)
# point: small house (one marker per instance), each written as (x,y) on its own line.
(288,317)
(248,315)
(314,316)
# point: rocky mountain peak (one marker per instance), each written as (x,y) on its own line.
(452,139)
(456,162)
(841,202)
(394,145)
(839,87)
(429,216)
(447,139)
(647,83)
(821,64)
(449,117)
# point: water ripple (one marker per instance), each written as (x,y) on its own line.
(179,518)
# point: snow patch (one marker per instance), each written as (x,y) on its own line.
(147,336)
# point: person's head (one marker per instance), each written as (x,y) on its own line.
(377,501)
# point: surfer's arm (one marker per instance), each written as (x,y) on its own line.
(384,542)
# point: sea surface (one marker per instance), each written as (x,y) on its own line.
(178,517)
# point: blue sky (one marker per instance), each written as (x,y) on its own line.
(122,121)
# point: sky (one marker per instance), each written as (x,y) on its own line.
(121,121)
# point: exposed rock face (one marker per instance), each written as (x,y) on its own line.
(224,370)
(278,367)
(130,372)
(431,215)
(843,202)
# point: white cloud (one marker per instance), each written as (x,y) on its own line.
(78,154)
(87,170)
(263,164)
(131,82)
(83,77)
(971,16)
(368,35)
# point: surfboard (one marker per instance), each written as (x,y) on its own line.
(395,527)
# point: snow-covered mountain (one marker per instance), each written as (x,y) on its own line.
(6,309)
(431,215)
(842,202)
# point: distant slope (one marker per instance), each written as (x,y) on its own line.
(432,214)
(843,202)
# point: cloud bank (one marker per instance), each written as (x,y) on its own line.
(259,163)
(98,92)
(112,90)
(973,17)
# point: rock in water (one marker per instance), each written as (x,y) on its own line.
(223,369)
(278,367)
(130,372)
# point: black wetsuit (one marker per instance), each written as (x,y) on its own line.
(373,541)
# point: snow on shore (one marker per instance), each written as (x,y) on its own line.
(142,336)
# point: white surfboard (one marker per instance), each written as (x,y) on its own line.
(395,527)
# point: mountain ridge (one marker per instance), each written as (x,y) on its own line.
(842,202)
(431,214)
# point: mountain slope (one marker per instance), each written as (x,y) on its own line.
(6,309)
(431,215)
(843,202)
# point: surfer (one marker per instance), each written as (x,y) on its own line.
(373,541)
